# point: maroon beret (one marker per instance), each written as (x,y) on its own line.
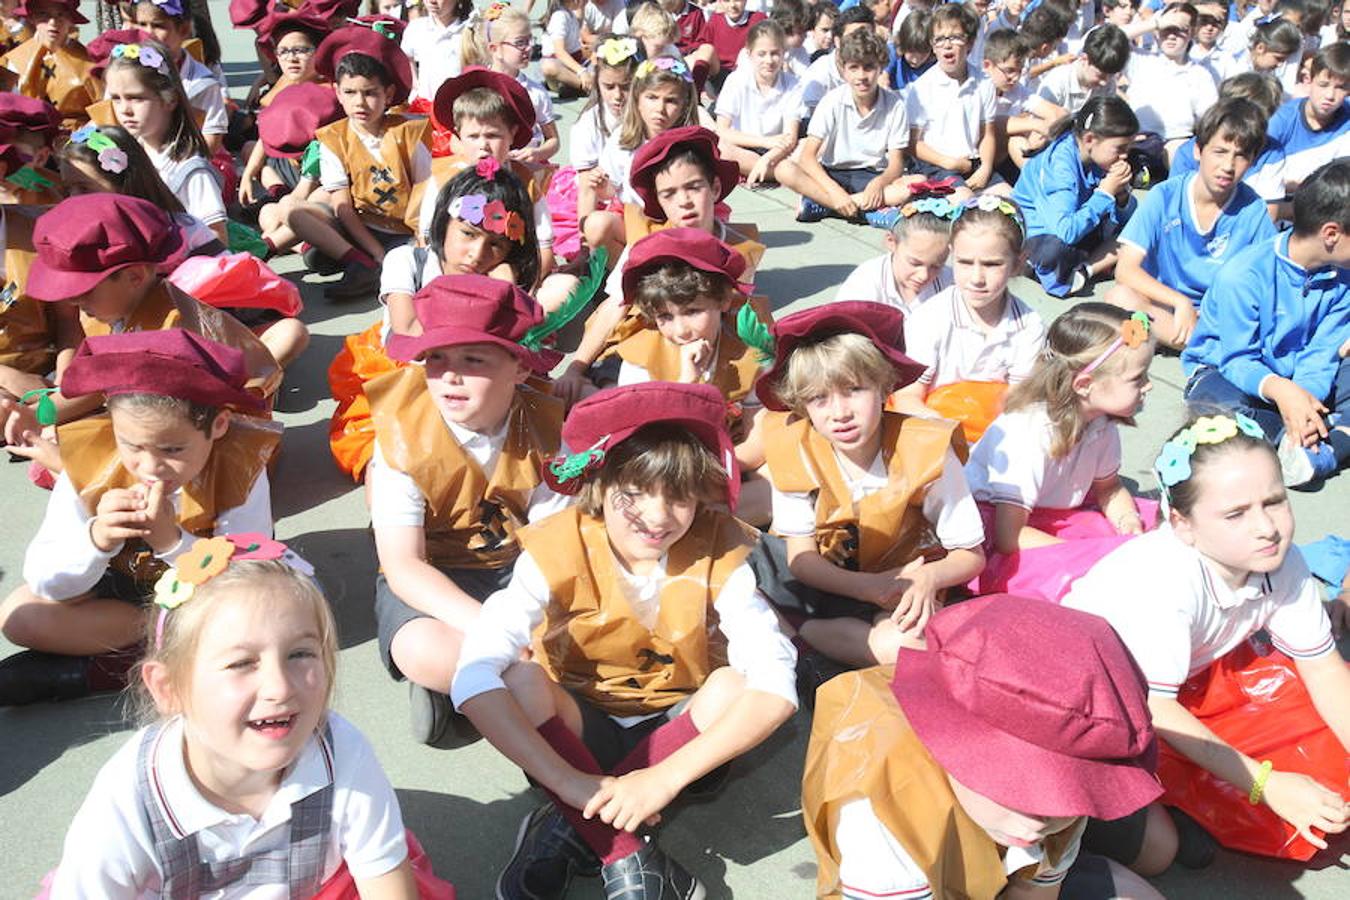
(84,239)
(512,91)
(72,8)
(364,40)
(287,124)
(650,156)
(277,25)
(19,113)
(101,47)
(692,246)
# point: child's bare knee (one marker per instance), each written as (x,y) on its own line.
(1160,843)
(20,619)
(532,689)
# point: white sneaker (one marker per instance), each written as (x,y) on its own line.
(1295,464)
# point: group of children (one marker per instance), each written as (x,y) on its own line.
(627,572)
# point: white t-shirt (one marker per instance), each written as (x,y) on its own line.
(565,27)
(599,15)
(1169,98)
(399,275)
(947,504)
(849,140)
(1176,614)
(1012,464)
(587,139)
(950,114)
(62,562)
(1061,87)
(110,851)
(756,110)
(875,280)
(617,163)
(542,103)
(204,92)
(435,50)
(193,182)
(543,221)
(821,77)
(945,336)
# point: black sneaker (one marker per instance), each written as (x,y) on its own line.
(548,853)
(320,263)
(35,677)
(358,281)
(649,874)
(434,721)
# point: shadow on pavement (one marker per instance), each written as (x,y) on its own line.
(34,737)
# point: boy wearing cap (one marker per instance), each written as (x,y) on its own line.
(656,660)
(166,463)
(51,65)
(372,163)
(29,126)
(32,334)
(460,447)
(969,769)
(872,516)
(102,253)
(491,114)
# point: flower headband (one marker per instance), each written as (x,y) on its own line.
(145,55)
(616,51)
(111,158)
(1173,465)
(665,64)
(207,558)
(489,216)
(992,203)
(931,197)
(1133,332)
(172,7)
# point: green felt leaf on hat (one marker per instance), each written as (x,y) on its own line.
(576,301)
(754,333)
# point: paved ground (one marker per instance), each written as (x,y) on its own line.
(466,803)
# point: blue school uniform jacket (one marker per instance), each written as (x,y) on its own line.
(1058,196)
(1266,315)
(1293,150)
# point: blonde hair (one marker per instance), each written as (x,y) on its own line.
(474,50)
(660,458)
(249,581)
(653,22)
(833,361)
(632,133)
(1075,339)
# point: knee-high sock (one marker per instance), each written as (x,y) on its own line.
(609,843)
(659,744)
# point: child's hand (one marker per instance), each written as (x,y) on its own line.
(760,171)
(19,420)
(977,179)
(919,600)
(580,789)
(246,196)
(1305,804)
(164,532)
(1117,178)
(849,208)
(695,358)
(1130,523)
(1184,317)
(1345,349)
(1301,411)
(119,517)
(572,385)
(873,195)
(630,800)
(883,589)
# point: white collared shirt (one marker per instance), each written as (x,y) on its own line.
(1177,615)
(874,280)
(1061,87)
(1169,97)
(944,335)
(950,114)
(109,849)
(436,51)
(849,140)
(205,93)
(756,110)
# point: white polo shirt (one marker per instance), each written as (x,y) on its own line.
(435,50)
(1169,98)
(587,139)
(850,140)
(110,851)
(204,93)
(1061,87)
(1177,615)
(946,337)
(599,15)
(565,27)
(822,76)
(617,163)
(542,103)
(1012,463)
(949,113)
(756,110)
(875,280)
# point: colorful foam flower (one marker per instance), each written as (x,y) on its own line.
(938,206)
(617,50)
(494,12)
(1214,429)
(1173,465)
(1248,426)
(1133,332)
(494,217)
(82,135)
(113,160)
(172,7)
(100,141)
(515,227)
(469,207)
(151,57)
(128,51)
(205,559)
(171,592)
(253,545)
(487,167)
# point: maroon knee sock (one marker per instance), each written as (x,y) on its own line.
(609,843)
(659,744)
(359,256)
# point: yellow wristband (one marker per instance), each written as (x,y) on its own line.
(1259,785)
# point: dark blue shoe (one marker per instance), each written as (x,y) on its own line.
(649,874)
(811,211)
(548,853)
(886,217)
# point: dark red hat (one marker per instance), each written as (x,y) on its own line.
(650,156)
(101,47)
(72,8)
(279,24)
(473,309)
(287,124)
(25,114)
(1036,706)
(332,9)
(691,246)
(84,239)
(512,91)
(249,13)
(171,363)
(607,418)
(361,39)
(884,325)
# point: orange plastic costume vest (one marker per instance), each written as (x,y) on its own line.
(885,529)
(62,77)
(382,191)
(27,326)
(535,178)
(862,746)
(591,643)
(89,454)
(472,518)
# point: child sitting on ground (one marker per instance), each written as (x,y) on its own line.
(914,266)
(29,129)
(757,107)
(1075,196)
(372,164)
(852,158)
(656,661)
(1256,737)
(859,493)
(1189,227)
(970,769)
(36,338)
(460,448)
(912,52)
(1272,333)
(169,22)
(242,732)
(1167,90)
(975,338)
(616,59)
(502,43)
(1022,121)
(51,65)
(1056,448)
(1091,74)
(564,62)
(168,461)
(434,43)
(729,32)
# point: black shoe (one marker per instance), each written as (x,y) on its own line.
(1196,848)
(814,669)
(35,677)
(434,721)
(649,874)
(320,263)
(548,853)
(358,281)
